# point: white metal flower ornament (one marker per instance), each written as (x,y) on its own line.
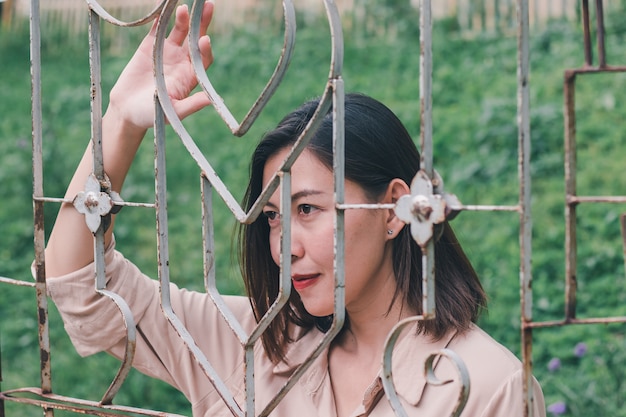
(96,202)
(422,209)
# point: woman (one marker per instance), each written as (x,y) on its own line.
(382,283)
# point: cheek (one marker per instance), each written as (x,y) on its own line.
(274,239)
(365,236)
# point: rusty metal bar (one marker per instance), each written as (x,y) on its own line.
(587,33)
(524,178)
(572,200)
(623,226)
(75,405)
(569,92)
(595,199)
(2,413)
(600,34)
(558,323)
(38,208)
(597,70)
(11,281)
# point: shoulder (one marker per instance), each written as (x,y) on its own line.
(496,376)
(477,348)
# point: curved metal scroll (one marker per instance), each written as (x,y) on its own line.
(129,352)
(165,110)
(429,371)
(100,11)
(239,129)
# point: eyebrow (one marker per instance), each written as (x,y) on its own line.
(297,196)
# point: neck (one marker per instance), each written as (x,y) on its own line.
(368,329)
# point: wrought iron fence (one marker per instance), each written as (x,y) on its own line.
(430,192)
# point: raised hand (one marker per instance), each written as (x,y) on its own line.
(129,115)
(131,99)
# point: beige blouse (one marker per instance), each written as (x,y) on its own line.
(95,324)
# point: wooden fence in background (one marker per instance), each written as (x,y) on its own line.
(472,16)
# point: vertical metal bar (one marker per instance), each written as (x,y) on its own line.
(426,77)
(623,224)
(249,379)
(600,34)
(96,135)
(524,157)
(523,116)
(96,93)
(587,34)
(426,144)
(38,209)
(1,398)
(339,174)
(208,235)
(569,92)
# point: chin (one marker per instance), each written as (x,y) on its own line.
(317,310)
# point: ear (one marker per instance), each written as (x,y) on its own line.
(396,189)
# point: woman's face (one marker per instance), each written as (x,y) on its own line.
(369,276)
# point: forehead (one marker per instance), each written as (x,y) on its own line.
(308,170)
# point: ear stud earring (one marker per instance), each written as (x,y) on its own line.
(389,231)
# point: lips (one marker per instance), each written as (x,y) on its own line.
(301,282)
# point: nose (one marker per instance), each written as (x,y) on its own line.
(297,247)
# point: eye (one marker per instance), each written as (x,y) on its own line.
(306,209)
(271,215)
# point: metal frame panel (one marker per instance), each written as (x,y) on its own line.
(427,193)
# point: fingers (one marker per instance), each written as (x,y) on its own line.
(207,15)
(204,43)
(191,104)
(181,25)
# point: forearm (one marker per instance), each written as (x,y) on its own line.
(70,246)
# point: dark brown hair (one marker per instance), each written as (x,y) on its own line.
(378,150)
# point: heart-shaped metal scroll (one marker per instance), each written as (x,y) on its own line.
(100,11)
(165,106)
(239,129)
(429,372)
(192,148)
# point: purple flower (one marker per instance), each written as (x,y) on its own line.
(554,364)
(557,408)
(580,349)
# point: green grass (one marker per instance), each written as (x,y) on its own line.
(475,134)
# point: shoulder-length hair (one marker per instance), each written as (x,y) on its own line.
(378,149)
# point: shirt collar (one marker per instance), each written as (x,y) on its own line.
(409,357)
(410,354)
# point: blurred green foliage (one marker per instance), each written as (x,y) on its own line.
(474,118)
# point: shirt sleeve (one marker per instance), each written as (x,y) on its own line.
(94,323)
(508,401)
